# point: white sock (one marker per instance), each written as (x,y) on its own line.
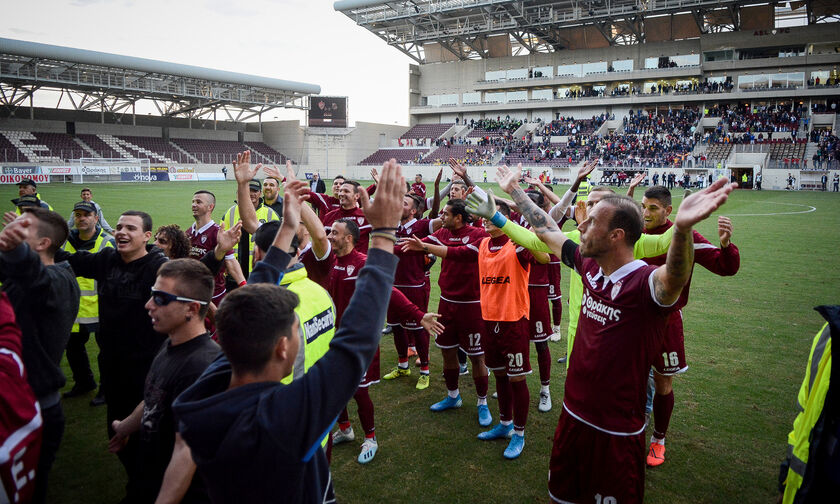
(544,389)
(505,422)
(402,365)
(482,401)
(654,439)
(454,393)
(519,431)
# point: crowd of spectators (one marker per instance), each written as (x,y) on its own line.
(643,150)
(565,126)
(828,150)
(681,122)
(765,118)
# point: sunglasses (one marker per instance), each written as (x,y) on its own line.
(162,298)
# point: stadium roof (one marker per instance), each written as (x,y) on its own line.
(112,82)
(446,30)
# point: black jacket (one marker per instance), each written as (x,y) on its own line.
(261,442)
(46,302)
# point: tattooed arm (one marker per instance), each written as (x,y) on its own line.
(541,224)
(670,278)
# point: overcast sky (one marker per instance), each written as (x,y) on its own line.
(299,40)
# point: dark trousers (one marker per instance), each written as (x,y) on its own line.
(77,357)
(53,417)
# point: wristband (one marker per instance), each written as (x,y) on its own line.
(498,219)
(382,234)
(243,282)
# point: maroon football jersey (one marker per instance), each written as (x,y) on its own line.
(356,214)
(419,188)
(20,418)
(342,282)
(202,241)
(323,203)
(410,269)
(619,333)
(318,270)
(458,281)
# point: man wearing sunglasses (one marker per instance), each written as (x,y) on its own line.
(177,306)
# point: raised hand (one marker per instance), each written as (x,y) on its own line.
(532,181)
(508,179)
(431,324)
(15,233)
(481,204)
(227,239)
(9,217)
(586,169)
(439,175)
(242,169)
(637,179)
(272,171)
(458,168)
(296,191)
(724,230)
(701,204)
(386,209)
(374,175)
(116,443)
(580,211)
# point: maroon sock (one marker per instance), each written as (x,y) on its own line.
(504,391)
(329,448)
(343,418)
(421,341)
(365,410)
(410,337)
(400,341)
(663,406)
(451,378)
(544,361)
(481,384)
(521,402)
(557,310)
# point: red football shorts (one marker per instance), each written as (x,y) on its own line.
(671,357)
(539,320)
(586,462)
(506,347)
(372,374)
(463,326)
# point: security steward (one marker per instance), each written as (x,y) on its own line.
(27,190)
(811,470)
(244,252)
(86,235)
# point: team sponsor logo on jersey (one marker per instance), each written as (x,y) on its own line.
(350,269)
(615,289)
(489,280)
(598,311)
(592,282)
(318,325)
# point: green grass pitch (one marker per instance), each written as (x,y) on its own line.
(747,340)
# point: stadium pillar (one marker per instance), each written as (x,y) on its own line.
(31,108)
(260,119)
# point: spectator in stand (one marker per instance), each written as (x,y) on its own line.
(87,196)
(45,297)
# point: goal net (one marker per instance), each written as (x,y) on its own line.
(93,170)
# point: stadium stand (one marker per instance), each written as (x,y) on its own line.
(465,154)
(401,155)
(571,126)
(420,131)
(265,151)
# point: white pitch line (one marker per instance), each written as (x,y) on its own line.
(809,210)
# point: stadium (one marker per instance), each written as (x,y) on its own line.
(692,89)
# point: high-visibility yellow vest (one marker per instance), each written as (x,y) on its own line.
(89,302)
(264,214)
(583,190)
(811,400)
(49,207)
(316,314)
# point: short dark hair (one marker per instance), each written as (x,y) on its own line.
(247,336)
(194,280)
(85,189)
(180,242)
(274,179)
(264,237)
(419,202)
(352,183)
(458,207)
(212,196)
(342,177)
(50,225)
(146,218)
(503,208)
(536,197)
(627,215)
(659,193)
(352,228)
